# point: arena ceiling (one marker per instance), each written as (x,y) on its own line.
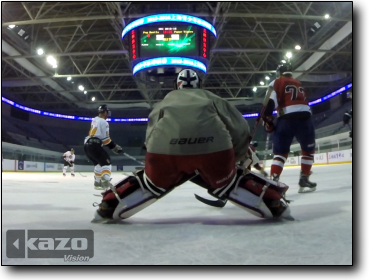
(85,39)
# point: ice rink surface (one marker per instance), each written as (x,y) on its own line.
(179,230)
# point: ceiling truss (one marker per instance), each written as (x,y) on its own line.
(85,38)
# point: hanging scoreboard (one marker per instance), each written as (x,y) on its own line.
(169,39)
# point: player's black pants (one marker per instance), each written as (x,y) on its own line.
(95,152)
(66,163)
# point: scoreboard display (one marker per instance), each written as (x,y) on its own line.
(169,41)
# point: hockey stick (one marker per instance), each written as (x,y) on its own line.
(134,159)
(82,175)
(221,203)
(260,115)
(266,148)
(215,203)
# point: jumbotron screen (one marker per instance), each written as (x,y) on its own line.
(176,40)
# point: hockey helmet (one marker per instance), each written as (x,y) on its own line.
(254,144)
(188,78)
(285,68)
(72,150)
(104,108)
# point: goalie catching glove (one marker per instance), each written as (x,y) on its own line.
(268,123)
(117,149)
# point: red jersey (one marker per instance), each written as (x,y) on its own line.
(289,96)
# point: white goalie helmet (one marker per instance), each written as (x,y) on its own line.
(187,78)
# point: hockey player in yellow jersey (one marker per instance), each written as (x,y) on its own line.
(93,147)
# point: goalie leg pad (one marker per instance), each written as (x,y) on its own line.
(259,196)
(279,187)
(252,182)
(136,193)
(223,192)
(249,202)
(267,209)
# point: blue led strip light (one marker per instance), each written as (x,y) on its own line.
(326,97)
(246,116)
(12,103)
(161,61)
(166,18)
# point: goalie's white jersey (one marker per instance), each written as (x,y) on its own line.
(99,129)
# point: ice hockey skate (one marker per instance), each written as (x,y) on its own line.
(305,185)
(97,186)
(104,214)
(280,209)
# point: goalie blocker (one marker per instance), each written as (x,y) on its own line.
(252,192)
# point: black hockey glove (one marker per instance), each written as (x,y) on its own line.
(268,123)
(117,149)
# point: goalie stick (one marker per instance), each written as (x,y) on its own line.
(215,203)
(221,203)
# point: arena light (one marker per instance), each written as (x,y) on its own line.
(252,115)
(55,66)
(254,89)
(69,78)
(289,55)
(81,87)
(169,61)
(166,18)
(93,99)
(297,47)
(11,26)
(283,61)
(40,51)
(85,92)
(267,78)
(51,60)
(326,16)
(262,83)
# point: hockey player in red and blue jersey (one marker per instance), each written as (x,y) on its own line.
(293,120)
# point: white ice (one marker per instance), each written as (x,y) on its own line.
(179,230)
